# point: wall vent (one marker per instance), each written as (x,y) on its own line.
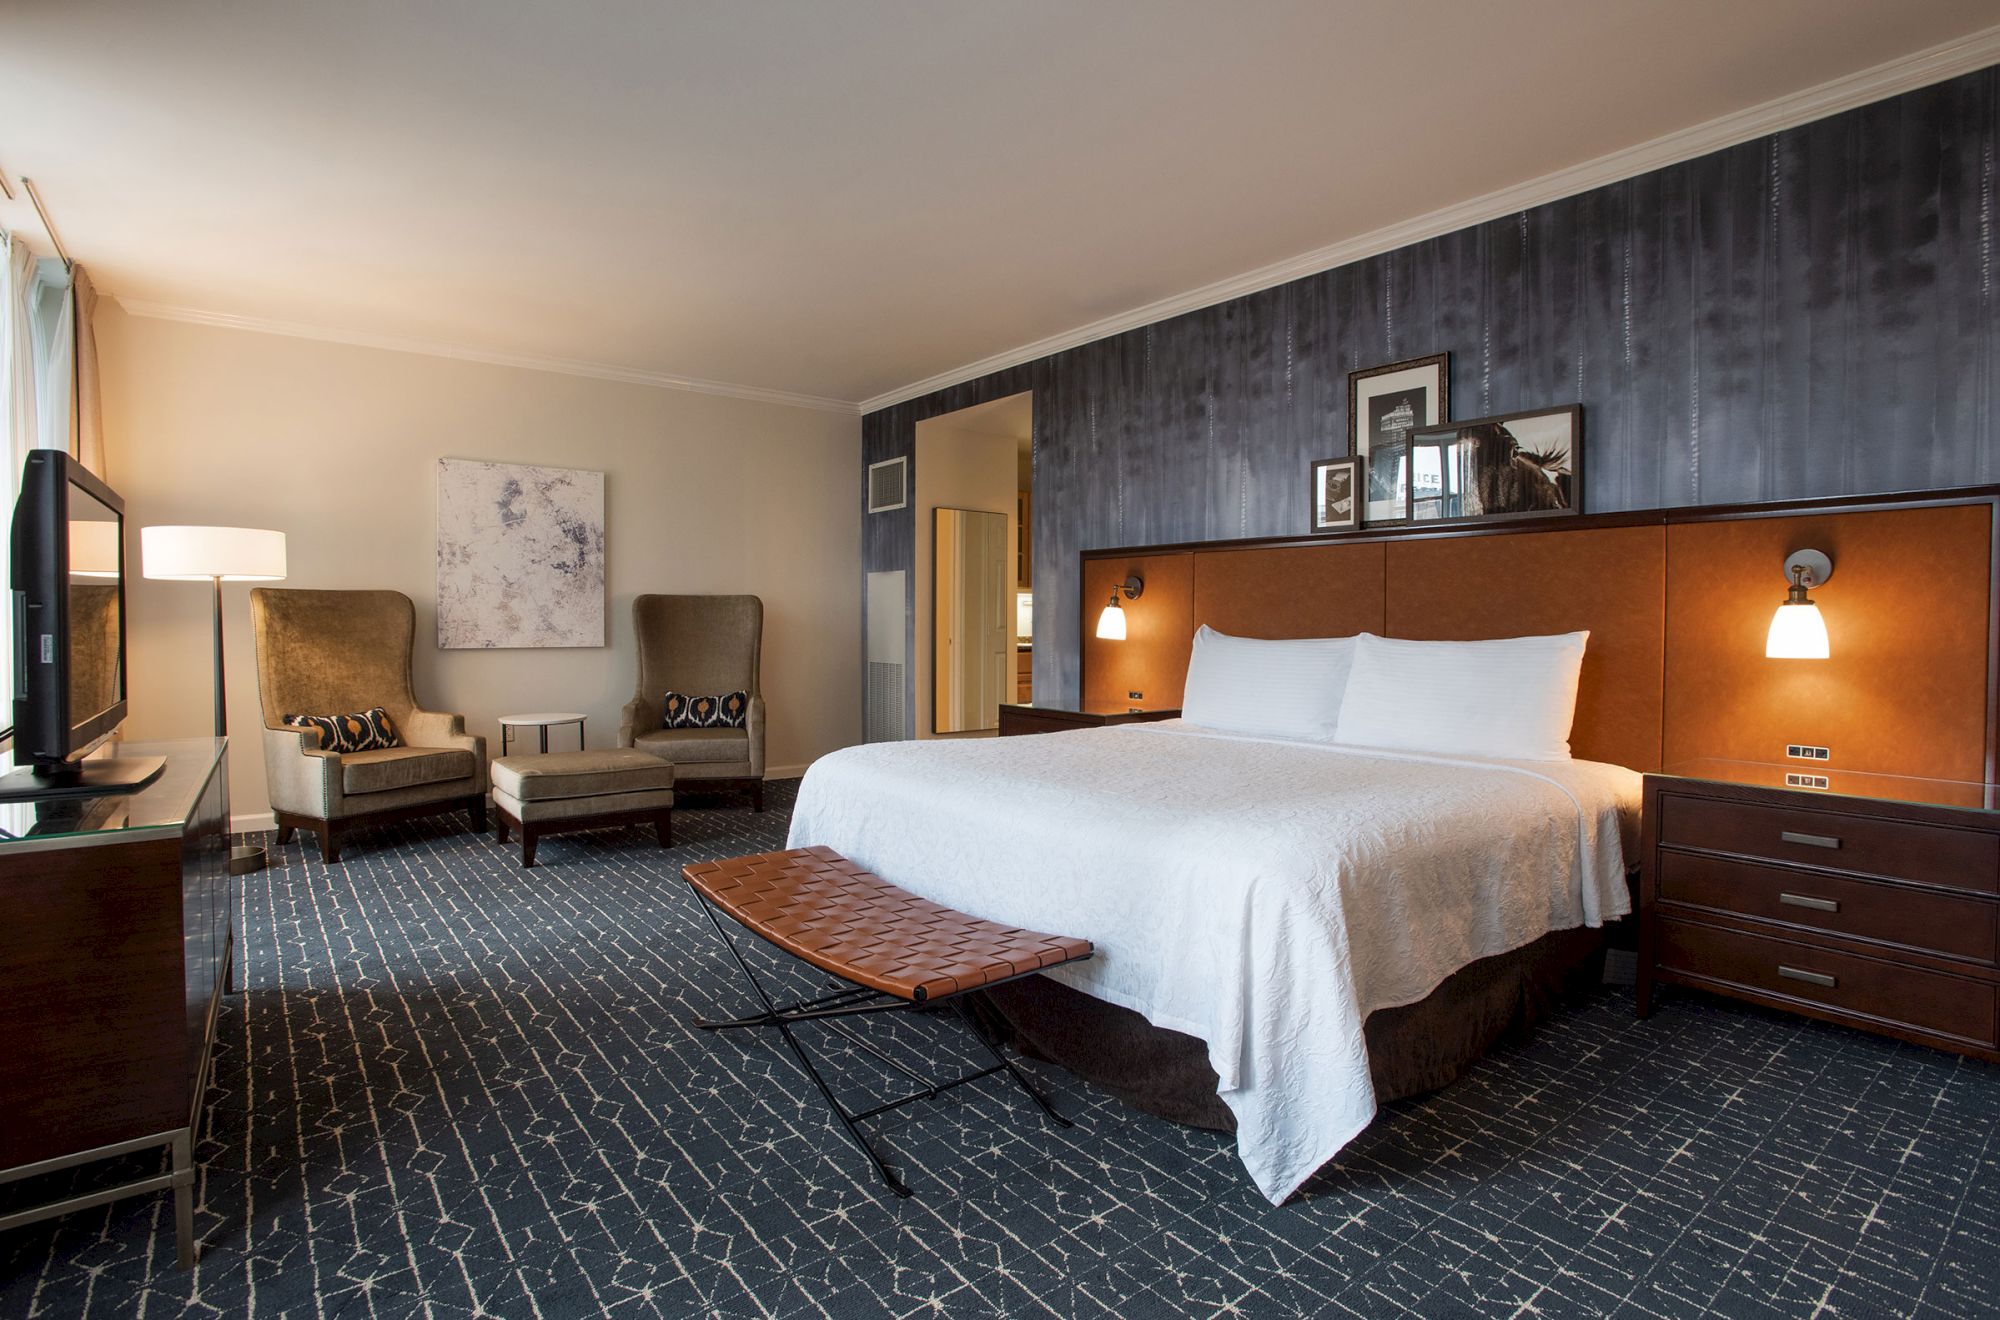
(884,705)
(889,484)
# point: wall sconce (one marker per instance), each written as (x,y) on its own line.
(1111,620)
(1797,630)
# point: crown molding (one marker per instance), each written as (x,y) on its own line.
(1920,69)
(458,352)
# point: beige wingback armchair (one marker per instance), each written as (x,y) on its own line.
(699,646)
(337,653)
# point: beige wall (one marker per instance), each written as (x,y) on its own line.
(337,446)
(955,470)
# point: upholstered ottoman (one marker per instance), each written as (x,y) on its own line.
(564,791)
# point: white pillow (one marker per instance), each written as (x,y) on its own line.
(1284,689)
(1513,698)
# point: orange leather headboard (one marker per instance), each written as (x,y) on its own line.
(1907,618)
(1608,580)
(1295,591)
(1159,633)
(1677,603)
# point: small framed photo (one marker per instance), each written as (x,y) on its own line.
(1336,503)
(1386,483)
(1384,405)
(1516,465)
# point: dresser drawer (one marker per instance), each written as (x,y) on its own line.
(1927,1001)
(1904,850)
(1863,909)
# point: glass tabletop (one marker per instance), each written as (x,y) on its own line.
(1807,777)
(163,804)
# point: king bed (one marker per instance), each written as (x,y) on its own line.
(1254,898)
(1294,928)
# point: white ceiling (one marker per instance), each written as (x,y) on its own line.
(834,199)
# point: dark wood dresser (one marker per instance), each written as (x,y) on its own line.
(114,953)
(1873,901)
(1017,720)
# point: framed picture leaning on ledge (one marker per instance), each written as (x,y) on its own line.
(1336,497)
(1515,465)
(1384,405)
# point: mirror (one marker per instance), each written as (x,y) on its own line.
(972,620)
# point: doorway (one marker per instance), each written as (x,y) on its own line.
(974,610)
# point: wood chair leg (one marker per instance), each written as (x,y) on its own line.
(285,833)
(500,825)
(663,826)
(527,844)
(477,806)
(329,842)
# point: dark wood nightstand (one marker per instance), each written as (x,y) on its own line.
(1017,720)
(1868,900)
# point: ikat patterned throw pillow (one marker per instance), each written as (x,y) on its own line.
(362,732)
(726,711)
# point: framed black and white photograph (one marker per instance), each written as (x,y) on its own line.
(1516,465)
(1385,482)
(1336,504)
(1384,405)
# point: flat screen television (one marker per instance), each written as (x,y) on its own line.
(68,557)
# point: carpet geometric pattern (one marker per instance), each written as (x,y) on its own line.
(452,1087)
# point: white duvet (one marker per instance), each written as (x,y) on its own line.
(1262,895)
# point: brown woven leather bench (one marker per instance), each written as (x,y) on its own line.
(897,950)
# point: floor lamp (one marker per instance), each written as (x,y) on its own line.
(216,555)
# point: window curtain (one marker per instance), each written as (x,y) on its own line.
(54,317)
(18,374)
(89,427)
(18,379)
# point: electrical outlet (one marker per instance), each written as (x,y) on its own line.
(1795,780)
(1807,752)
(1136,696)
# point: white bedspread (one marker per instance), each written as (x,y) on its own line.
(1262,895)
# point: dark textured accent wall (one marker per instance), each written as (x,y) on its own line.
(889,544)
(1809,314)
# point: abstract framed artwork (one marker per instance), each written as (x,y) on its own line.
(1336,502)
(1515,465)
(520,556)
(1385,404)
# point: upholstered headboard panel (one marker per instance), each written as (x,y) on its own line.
(1296,591)
(1907,614)
(1609,581)
(1676,601)
(1153,658)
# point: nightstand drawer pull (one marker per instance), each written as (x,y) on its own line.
(1808,901)
(1810,978)
(1809,840)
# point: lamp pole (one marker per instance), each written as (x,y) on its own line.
(221,710)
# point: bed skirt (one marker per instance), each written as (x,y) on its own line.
(1417,1048)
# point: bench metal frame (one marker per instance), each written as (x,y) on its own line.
(859,1001)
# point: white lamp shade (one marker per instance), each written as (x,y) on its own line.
(1797,633)
(93,549)
(1111,623)
(199,554)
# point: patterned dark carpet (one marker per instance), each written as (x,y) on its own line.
(454,1088)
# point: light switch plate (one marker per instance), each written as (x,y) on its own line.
(1807,752)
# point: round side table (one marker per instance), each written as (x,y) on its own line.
(543,720)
